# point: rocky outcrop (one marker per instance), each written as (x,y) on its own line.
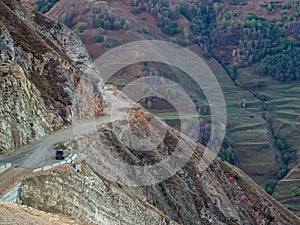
(90,198)
(41,63)
(22,111)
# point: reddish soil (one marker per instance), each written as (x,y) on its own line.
(254,7)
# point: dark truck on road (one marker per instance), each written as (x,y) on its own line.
(59,154)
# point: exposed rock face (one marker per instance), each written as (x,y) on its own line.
(89,198)
(22,112)
(41,64)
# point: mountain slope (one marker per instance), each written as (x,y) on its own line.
(41,64)
(255,41)
(222,194)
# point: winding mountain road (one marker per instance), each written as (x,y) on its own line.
(41,154)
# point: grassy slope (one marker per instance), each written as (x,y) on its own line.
(285,123)
(247,129)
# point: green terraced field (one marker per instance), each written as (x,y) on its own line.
(245,127)
(284,114)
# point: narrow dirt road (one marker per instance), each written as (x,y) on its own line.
(42,153)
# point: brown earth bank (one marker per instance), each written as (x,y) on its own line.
(20,214)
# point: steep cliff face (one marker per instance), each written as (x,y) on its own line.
(41,62)
(89,198)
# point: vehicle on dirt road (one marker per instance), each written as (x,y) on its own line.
(59,154)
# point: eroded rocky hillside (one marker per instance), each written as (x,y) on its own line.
(40,65)
(221,194)
(90,198)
